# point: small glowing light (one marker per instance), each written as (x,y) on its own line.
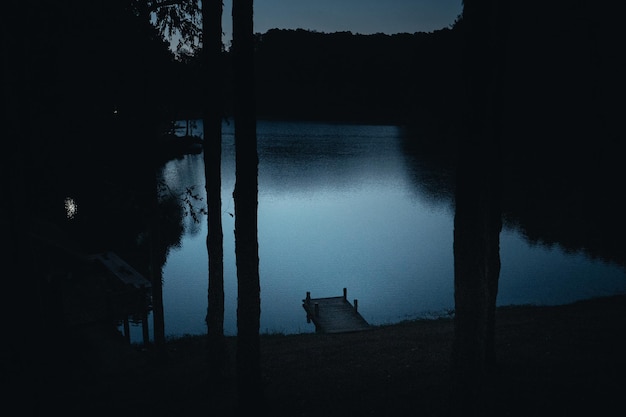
(71,208)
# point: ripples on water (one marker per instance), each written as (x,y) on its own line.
(346,206)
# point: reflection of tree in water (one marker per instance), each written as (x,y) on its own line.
(193,208)
(172,223)
(430,167)
(545,200)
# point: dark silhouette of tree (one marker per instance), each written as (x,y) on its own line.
(246,202)
(477,221)
(70,84)
(212,124)
(17,202)
(182,18)
(157,259)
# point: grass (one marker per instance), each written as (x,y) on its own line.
(551,361)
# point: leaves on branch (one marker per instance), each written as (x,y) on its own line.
(189,198)
(175,19)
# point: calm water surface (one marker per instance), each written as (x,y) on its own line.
(339,206)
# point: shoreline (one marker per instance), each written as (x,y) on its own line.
(551,360)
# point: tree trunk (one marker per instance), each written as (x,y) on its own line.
(157,260)
(212,125)
(246,201)
(477,221)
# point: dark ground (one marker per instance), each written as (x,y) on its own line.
(553,361)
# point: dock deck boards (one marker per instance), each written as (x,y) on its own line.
(121,270)
(334,315)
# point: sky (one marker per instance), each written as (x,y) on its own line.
(356,16)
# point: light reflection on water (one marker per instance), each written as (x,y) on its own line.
(339,207)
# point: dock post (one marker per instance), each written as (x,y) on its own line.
(356,305)
(317,310)
(126,330)
(307,303)
(345,293)
(144,328)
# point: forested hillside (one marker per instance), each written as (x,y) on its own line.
(345,76)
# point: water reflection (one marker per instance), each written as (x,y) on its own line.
(351,206)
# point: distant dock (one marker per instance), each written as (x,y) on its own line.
(334,314)
(121,270)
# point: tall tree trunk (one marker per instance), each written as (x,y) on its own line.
(212,125)
(157,260)
(246,201)
(477,221)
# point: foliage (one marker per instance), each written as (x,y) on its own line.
(174,19)
(190,197)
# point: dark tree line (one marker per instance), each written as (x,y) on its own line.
(539,125)
(363,78)
(92,79)
(305,75)
(85,88)
(73,86)
(73,74)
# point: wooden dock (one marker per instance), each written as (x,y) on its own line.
(334,314)
(121,270)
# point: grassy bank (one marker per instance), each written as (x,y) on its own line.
(552,361)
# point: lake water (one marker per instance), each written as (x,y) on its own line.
(342,206)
